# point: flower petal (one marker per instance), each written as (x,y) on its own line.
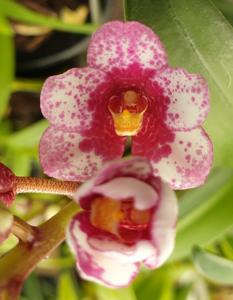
(118,45)
(121,188)
(72,156)
(163,226)
(189,162)
(126,254)
(94,265)
(137,167)
(6,222)
(188,98)
(154,140)
(65,98)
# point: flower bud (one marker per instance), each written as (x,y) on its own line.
(7,185)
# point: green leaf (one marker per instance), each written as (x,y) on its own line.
(5,28)
(183,291)
(18,160)
(27,85)
(66,287)
(226,248)
(213,267)
(7,64)
(210,219)
(28,137)
(193,199)
(159,283)
(20,13)
(21,163)
(198,38)
(57,263)
(32,288)
(104,293)
(226,8)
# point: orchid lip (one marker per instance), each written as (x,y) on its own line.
(120,218)
(127,111)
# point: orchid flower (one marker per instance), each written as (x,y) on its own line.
(128,218)
(127,91)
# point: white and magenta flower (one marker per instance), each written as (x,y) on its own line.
(6,223)
(7,185)
(127,90)
(128,218)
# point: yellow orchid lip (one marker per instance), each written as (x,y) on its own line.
(127,113)
(106,214)
(112,216)
(127,123)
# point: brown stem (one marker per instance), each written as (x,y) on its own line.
(23,231)
(44,185)
(17,264)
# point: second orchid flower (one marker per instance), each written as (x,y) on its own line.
(129,217)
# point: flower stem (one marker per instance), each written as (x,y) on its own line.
(45,185)
(14,268)
(23,231)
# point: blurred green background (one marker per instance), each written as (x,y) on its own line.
(46,37)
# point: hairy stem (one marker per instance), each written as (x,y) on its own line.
(14,268)
(45,185)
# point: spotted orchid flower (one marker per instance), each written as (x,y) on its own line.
(6,223)
(128,218)
(128,90)
(7,185)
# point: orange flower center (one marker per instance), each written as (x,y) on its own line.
(127,112)
(119,218)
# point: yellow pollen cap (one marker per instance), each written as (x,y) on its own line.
(127,123)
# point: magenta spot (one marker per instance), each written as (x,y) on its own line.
(188,158)
(198,152)
(85,145)
(62,115)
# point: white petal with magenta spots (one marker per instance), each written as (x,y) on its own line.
(188,98)
(94,265)
(65,97)
(117,45)
(189,162)
(63,155)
